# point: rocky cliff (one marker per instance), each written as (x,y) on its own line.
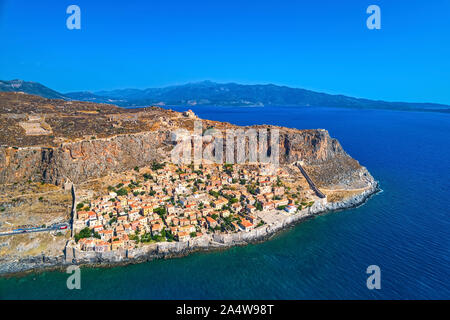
(84,140)
(86,159)
(80,161)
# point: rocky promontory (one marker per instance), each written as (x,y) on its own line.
(56,142)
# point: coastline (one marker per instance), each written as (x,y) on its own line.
(168,250)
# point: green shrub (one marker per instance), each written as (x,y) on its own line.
(157,166)
(122,192)
(85,233)
(161,211)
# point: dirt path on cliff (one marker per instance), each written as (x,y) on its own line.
(342,190)
(35,194)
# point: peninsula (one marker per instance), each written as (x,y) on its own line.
(90,183)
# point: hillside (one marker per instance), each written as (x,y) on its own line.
(56,140)
(30,88)
(233,94)
(217,94)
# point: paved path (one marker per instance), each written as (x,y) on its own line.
(59,226)
(341,189)
(310,182)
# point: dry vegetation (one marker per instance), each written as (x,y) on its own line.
(343,168)
(33,244)
(33,204)
(336,196)
(70,120)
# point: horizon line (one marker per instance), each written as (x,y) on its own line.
(232,82)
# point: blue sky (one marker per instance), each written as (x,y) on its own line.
(318,45)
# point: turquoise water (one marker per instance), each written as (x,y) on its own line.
(405,230)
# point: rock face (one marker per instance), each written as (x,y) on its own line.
(79,161)
(312,146)
(94,158)
(88,140)
(83,160)
(31,263)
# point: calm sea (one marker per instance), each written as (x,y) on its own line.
(405,230)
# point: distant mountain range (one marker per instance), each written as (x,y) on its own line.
(30,88)
(219,94)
